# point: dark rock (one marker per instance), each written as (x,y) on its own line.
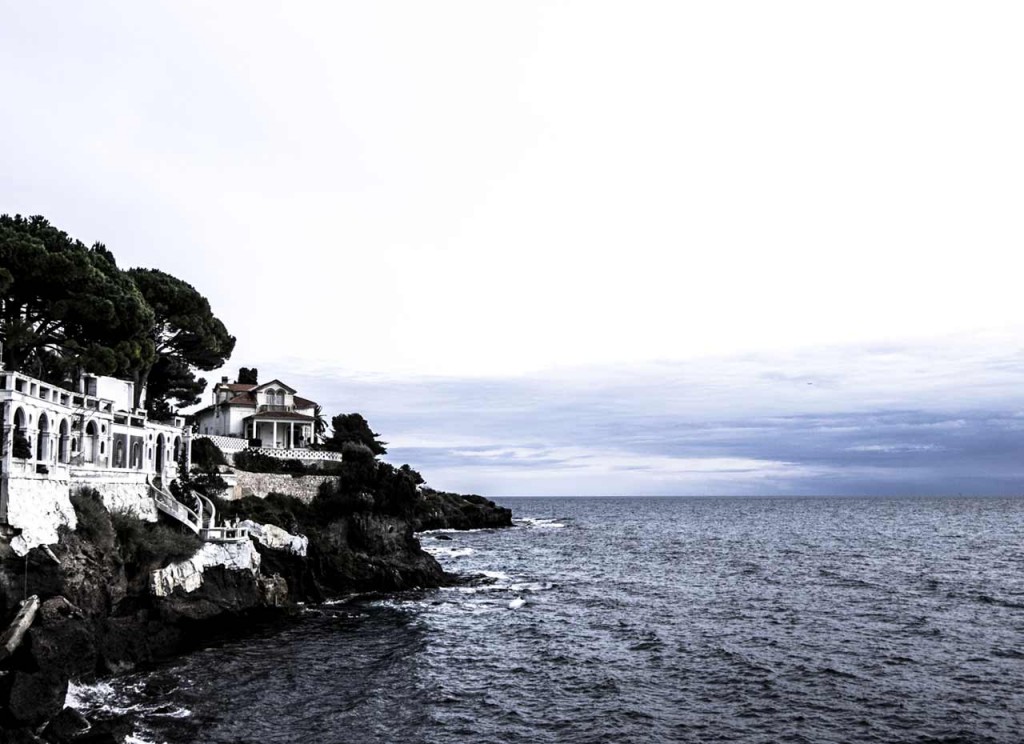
(63,639)
(106,731)
(62,729)
(18,736)
(36,697)
(438,510)
(442,537)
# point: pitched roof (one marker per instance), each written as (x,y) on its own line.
(235,387)
(276,383)
(303,402)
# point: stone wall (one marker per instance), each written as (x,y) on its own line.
(121,491)
(304,487)
(38,507)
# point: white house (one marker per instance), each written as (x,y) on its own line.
(270,415)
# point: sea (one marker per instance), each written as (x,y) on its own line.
(640,620)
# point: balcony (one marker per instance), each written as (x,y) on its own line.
(276,408)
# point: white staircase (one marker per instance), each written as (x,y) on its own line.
(202,520)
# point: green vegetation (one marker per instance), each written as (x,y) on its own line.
(285,511)
(66,308)
(364,485)
(352,428)
(185,334)
(21,448)
(247,376)
(148,545)
(93,518)
(256,462)
(206,455)
(142,546)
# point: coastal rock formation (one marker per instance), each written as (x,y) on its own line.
(104,610)
(438,510)
(188,575)
(274,538)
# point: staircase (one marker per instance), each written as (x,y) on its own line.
(201,521)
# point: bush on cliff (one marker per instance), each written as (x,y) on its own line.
(286,512)
(364,484)
(206,455)
(256,462)
(93,518)
(148,545)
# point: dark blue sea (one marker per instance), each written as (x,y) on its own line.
(644,620)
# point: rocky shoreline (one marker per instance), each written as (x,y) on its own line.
(99,615)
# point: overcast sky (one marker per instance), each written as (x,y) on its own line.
(571,247)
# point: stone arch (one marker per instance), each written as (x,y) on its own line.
(89,442)
(177,449)
(136,460)
(43,438)
(161,454)
(22,447)
(119,454)
(63,432)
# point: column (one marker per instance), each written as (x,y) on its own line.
(274,443)
(291,434)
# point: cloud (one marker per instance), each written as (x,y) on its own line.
(937,417)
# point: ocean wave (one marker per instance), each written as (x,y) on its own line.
(445,552)
(538,523)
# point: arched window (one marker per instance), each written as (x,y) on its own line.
(21,447)
(43,439)
(119,454)
(89,443)
(62,441)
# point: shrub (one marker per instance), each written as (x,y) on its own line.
(336,499)
(148,545)
(93,518)
(257,462)
(206,455)
(21,448)
(286,512)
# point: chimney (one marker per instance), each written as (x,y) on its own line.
(224,380)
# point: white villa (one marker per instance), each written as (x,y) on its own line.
(53,440)
(269,415)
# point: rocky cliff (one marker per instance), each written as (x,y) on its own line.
(438,510)
(106,608)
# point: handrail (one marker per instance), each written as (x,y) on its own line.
(169,505)
(203,522)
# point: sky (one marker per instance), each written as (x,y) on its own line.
(570,248)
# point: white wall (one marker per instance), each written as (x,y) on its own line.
(119,391)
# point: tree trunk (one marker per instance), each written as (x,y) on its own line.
(140,377)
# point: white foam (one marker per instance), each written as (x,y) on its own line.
(539,523)
(102,696)
(499,575)
(516,603)
(445,552)
(531,586)
(81,696)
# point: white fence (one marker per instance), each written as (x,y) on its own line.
(231,446)
(227,445)
(297,453)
